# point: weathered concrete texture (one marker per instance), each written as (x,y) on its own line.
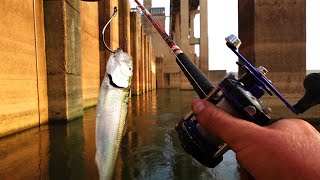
(166,62)
(21,67)
(278,38)
(147,62)
(90,53)
(184,39)
(41,62)
(274,36)
(216,76)
(124,26)
(114,31)
(142,65)
(135,51)
(64,67)
(204,39)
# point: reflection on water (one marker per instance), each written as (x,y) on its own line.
(150,148)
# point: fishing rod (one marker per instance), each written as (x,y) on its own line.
(190,70)
(239,97)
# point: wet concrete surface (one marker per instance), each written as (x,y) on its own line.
(150,149)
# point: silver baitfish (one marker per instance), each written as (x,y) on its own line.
(112,111)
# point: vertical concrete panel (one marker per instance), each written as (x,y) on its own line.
(204,44)
(73,63)
(18,67)
(280,41)
(64,66)
(114,26)
(147,60)
(274,36)
(41,62)
(142,67)
(90,53)
(246,17)
(124,26)
(184,39)
(135,51)
(103,11)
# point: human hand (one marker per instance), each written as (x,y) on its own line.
(287,149)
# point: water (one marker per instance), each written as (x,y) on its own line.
(150,148)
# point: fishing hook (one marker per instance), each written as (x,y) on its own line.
(115,10)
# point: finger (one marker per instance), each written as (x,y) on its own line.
(234,131)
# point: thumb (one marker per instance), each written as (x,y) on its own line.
(234,131)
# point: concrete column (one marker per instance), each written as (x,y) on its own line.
(124,26)
(90,53)
(104,13)
(160,74)
(247,30)
(154,70)
(146,62)
(184,38)
(204,53)
(142,64)
(114,26)
(149,62)
(135,51)
(192,47)
(147,26)
(274,36)
(41,62)
(64,66)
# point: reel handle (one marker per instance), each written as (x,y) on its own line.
(312,95)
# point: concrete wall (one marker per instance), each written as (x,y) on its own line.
(23,90)
(64,66)
(90,53)
(53,59)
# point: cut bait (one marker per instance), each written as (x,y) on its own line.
(112,111)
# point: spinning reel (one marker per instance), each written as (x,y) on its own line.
(241,98)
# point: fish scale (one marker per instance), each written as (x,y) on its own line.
(111,117)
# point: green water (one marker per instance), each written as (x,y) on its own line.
(150,148)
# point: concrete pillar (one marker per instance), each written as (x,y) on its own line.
(90,53)
(114,26)
(104,13)
(135,51)
(150,62)
(154,70)
(64,66)
(41,62)
(184,39)
(146,62)
(274,36)
(204,44)
(142,64)
(147,26)
(106,9)
(124,26)
(279,41)
(247,30)
(192,47)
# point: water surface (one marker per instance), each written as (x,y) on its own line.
(150,148)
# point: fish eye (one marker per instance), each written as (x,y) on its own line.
(130,69)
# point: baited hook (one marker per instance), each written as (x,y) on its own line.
(115,10)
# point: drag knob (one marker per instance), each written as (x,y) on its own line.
(312,95)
